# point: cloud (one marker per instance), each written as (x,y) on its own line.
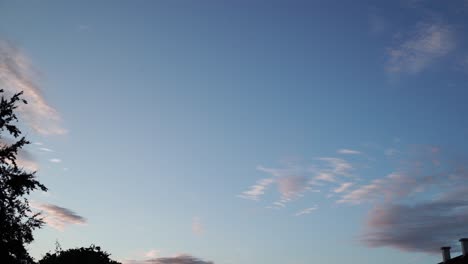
(343,187)
(256,190)
(55,160)
(46,149)
(58,217)
(290,187)
(197,227)
(418,205)
(338,166)
(348,152)
(153,253)
(396,185)
(422,227)
(306,211)
(181,259)
(24,159)
(423,45)
(294,180)
(16,75)
(420,208)
(377,23)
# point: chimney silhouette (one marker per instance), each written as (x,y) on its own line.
(445,253)
(464,246)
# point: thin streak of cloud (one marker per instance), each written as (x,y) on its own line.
(306,211)
(343,187)
(257,190)
(55,160)
(46,149)
(348,152)
(16,75)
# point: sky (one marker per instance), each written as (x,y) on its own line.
(248,132)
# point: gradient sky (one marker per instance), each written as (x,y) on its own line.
(244,131)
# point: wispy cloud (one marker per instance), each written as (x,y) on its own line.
(343,187)
(294,180)
(58,217)
(46,149)
(306,211)
(55,160)
(419,208)
(153,253)
(348,152)
(415,51)
(377,23)
(338,166)
(17,74)
(197,226)
(257,190)
(419,205)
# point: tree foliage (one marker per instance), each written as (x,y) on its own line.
(16,218)
(89,255)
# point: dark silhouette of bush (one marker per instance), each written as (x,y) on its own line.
(89,255)
(16,219)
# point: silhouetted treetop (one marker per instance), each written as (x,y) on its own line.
(89,255)
(16,219)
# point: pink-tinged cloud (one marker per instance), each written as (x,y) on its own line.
(290,187)
(294,180)
(394,186)
(422,227)
(58,217)
(17,74)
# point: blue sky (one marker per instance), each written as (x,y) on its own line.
(244,131)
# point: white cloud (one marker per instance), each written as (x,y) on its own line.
(55,160)
(153,253)
(426,43)
(16,75)
(306,211)
(257,190)
(343,187)
(46,149)
(348,152)
(338,166)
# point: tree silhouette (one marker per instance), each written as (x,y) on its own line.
(16,218)
(89,255)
